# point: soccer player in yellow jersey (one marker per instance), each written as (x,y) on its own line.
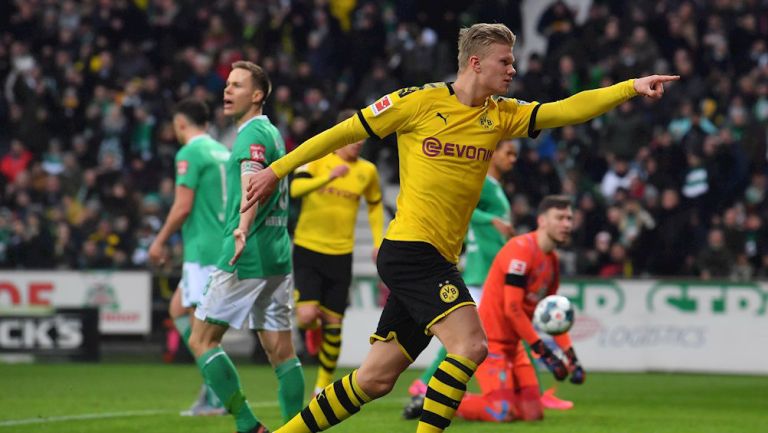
(331,188)
(446,134)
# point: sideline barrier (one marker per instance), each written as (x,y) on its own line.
(68,333)
(123,298)
(631,325)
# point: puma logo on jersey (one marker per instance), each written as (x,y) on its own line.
(445,118)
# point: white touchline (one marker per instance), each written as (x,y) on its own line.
(85,416)
(106,415)
(139,413)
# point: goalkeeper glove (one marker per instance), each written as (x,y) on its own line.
(578,375)
(553,363)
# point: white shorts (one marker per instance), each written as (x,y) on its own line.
(267,303)
(476,292)
(193,280)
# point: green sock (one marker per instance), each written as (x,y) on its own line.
(221,376)
(430,371)
(290,388)
(183,324)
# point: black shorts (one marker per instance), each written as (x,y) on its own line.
(323,279)
(424,287)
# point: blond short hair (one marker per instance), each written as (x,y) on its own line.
(475,40)
(258,76)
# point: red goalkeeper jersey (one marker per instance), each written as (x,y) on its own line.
(520,276)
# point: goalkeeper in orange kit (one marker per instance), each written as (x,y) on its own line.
(523,272)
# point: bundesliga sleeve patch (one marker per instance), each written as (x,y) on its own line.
(517,267)
(257,153)
(381,105)
(181,167)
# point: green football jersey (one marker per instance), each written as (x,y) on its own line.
(200,167)
(268,248)
(483,240)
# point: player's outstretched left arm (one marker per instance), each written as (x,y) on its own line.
(304,183)
(263,183)
(589,104)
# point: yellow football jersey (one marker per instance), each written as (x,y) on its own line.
(445,148)
(327,219)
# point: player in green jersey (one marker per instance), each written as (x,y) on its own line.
(252,279)
(198,208)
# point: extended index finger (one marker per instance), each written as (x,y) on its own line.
(665,78)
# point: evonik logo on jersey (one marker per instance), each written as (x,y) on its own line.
(432,147)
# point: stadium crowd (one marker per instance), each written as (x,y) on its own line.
(678,189)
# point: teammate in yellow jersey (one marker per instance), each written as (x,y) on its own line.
(446,133)
(331,188)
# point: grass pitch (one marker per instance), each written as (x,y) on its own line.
(148,397)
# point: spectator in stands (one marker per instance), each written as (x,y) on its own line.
(557,25)
(625,131)
(85,108)
(619,176)
(15,161)
(617,264)
(715,261)
(672,249)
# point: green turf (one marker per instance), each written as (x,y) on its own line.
(615,403)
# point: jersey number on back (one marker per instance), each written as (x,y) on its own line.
(283,191)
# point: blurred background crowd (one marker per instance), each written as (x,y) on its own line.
(670,188)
